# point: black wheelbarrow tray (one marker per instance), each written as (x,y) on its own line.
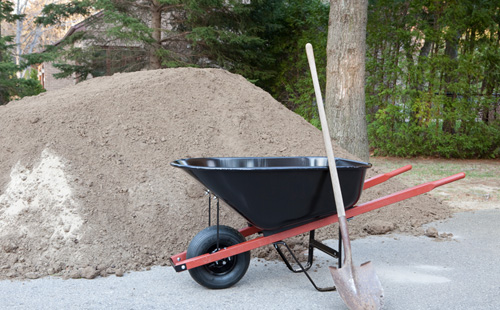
(280,197)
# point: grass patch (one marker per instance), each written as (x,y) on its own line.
(479,189)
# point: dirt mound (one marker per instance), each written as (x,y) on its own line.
(85,182)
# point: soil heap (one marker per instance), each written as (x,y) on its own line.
(86,186)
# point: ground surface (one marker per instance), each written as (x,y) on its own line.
(479,190)
(86,189)
(417,273)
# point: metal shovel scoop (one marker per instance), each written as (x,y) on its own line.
(359,287)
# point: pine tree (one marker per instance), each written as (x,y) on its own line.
(10,85)
(172,33)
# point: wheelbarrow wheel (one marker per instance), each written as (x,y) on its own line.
(223,273)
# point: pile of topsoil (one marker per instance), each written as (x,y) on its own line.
(86,186)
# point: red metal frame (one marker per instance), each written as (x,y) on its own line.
(384,177)
(180,262)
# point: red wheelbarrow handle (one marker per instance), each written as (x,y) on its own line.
(402,195)
(384,177)
(180,263)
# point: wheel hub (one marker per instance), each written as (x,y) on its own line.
(222,266)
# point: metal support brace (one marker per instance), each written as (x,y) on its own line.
(207,192)
(215,197)
(302,269)
(313,243)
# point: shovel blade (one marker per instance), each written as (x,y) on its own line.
(359,287)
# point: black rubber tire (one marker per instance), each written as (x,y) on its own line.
(224,273)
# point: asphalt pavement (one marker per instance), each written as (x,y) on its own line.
(416,273)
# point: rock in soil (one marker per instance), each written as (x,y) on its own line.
(379,227)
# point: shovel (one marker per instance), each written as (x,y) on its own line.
(359,287)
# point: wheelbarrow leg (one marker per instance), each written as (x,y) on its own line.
(313,243)
(302,269)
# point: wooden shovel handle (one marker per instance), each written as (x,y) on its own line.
(326,134)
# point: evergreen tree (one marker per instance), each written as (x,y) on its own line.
(10,85)
(172,33)
(296,23)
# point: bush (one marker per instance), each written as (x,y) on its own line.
(391,134)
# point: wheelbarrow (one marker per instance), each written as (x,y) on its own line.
(280,197)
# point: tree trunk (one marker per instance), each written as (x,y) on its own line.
(154,60)
(1,55)
(19,29)
(345,76)
(450,50)
(3,100)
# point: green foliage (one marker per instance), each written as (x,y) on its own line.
(432,72)
(432,66)
(391,135)
(11,86)
(55,13)
(227,34)
(262,40)
(301,22)
(233,35)
(123,25)
(6,9)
